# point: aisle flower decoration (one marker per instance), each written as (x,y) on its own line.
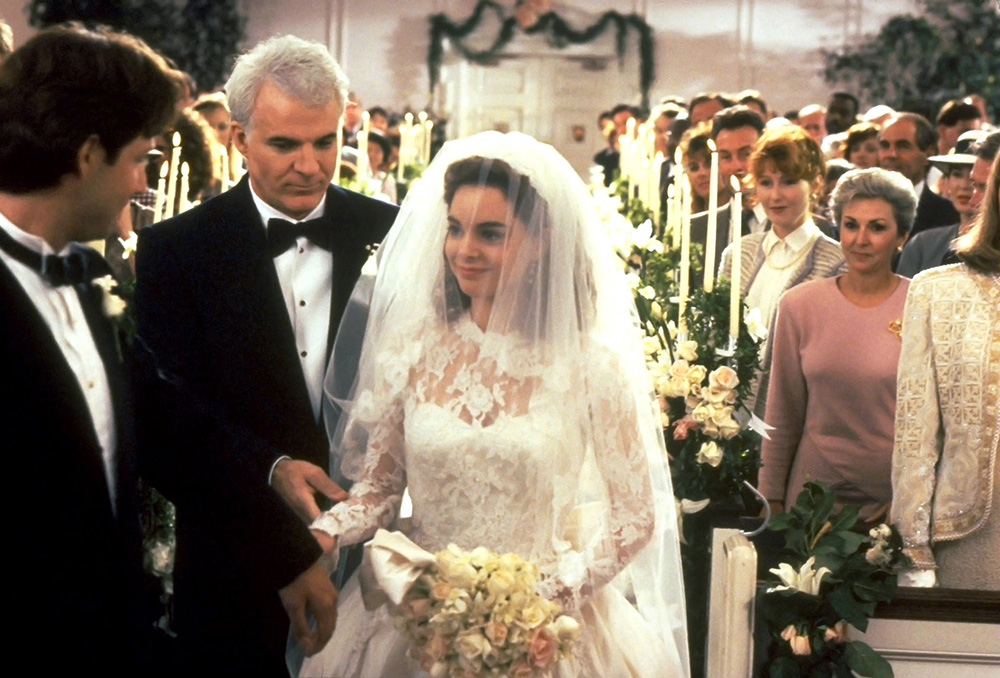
(701,381)
(836,578)
(469,613)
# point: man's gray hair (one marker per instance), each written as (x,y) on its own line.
(880,184)
(300,68)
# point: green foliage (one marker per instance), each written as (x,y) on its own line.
(554,28)
(201,36)
(861,573)
(951,50)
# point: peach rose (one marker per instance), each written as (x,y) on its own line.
(441,590)
(543,648)
(496,632)
(683,426)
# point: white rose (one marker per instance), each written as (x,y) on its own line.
(687,350)
(679,369)
(696,374)
(472,645)
(723,378)
(647,292)
(710,454)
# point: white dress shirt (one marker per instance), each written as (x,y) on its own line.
(306,274)
(61,310)
(781,257)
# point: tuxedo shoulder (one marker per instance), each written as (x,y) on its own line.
(363,208)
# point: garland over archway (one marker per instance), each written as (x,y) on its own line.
(557,32)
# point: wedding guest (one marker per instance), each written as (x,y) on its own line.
(787,171)
(214,109)
(945,486)
(379,151)
(861,148)
(878,114)
(238,301)
(841,112)
(696,161)
(955,117)
(812,119)
(932,247)
(752,99)
(379,119)
(835,347)
(78,110)
(906,141)
(705,105)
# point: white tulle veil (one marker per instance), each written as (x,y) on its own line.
(562,321)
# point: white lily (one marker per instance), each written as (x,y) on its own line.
(755,325)
(129,244)
(806,580)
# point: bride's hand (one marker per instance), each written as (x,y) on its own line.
(326,542)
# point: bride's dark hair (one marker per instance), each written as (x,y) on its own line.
(526,205)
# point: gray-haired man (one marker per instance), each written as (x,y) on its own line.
(238,301)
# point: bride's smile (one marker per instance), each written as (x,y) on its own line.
(482,241)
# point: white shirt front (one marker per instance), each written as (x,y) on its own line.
(781,257)
(61,310)
(305,273)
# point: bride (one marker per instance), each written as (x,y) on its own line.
(501,382)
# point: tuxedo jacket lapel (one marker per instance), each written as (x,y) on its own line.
(37,356)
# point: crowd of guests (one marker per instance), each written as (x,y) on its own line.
(883,389)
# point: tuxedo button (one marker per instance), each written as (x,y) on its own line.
(302,303)
(304,353)
(301,250)
(90,384)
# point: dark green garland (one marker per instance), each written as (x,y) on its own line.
(557,31)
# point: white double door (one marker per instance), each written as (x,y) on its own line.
(554,99)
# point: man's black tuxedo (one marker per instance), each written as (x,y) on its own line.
(74,562)
(932,210)
(230,399)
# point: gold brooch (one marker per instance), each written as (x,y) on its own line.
(896,327)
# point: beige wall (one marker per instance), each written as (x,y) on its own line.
(382,44)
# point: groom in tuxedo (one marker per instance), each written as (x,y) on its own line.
(78,110)
(239,301)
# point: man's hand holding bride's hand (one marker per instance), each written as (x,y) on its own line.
(311,592)
(297,482)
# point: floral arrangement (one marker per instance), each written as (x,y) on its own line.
(477,614)
(842,576)
(702,382)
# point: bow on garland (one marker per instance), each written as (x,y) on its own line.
(557,31)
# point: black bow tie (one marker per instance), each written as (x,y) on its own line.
(81,265)
(281,234)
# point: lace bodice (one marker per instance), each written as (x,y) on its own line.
(491,440)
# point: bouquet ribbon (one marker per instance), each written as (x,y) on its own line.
(390,567)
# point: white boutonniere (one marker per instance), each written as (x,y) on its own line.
(129,244)
(114,305)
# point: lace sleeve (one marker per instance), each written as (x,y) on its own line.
(620,455)
(918,428)
(375,499)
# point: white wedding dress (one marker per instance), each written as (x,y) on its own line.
(478,431)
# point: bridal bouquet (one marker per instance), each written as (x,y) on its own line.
(474,613)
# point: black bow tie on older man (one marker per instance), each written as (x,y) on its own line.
(81,265)
(281,234)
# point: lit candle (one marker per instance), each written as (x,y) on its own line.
(340,147)
(428,128)
(224,161)
(362,171)
(175,157)
(161,193)
(185,173)
(402,153)
(713,219)
(736,226)
(654,184)
(673,216)
(421,145)
(685,253)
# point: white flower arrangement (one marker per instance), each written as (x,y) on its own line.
(477,614)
